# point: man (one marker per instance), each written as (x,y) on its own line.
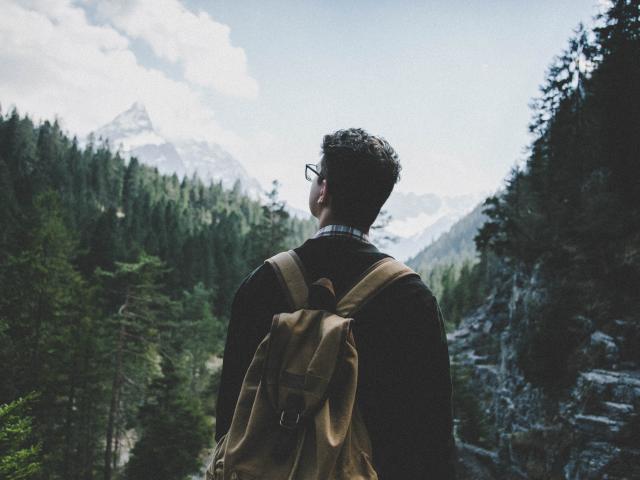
(404,384)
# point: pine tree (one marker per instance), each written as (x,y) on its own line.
(173,431)
(137,328)
(200,335)
(19,454)
(269,236)
(45,310)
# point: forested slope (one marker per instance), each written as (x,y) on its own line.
(546,368)
(448,267)
(116,283)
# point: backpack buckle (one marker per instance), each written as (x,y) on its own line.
(288,422)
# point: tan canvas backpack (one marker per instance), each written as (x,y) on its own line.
(296,417)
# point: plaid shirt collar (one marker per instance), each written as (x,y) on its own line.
(342,231)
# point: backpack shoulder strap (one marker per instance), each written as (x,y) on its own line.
(292,277)
(380,275)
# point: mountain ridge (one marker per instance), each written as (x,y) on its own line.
(132,133)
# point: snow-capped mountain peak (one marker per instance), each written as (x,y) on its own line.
(131,129)
(134,119)
(211,162)
(132,134)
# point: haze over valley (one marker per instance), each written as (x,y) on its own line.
(415,219)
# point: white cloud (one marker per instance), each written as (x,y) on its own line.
(197,42)
(55,62)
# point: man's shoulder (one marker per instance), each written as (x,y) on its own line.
(408,289)
(414,281)
(260,281)
(410,299)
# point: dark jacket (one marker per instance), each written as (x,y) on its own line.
(404,384)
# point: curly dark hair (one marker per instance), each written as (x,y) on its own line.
(361,171)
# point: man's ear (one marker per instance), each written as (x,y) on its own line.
(323,198)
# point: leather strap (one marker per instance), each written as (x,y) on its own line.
(292,278)
(380,275)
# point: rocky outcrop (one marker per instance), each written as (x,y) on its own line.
(588,430)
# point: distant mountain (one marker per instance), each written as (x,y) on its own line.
(133,134)
(132,128)
(418,220)
(213,163)
(407,205)
(454,246)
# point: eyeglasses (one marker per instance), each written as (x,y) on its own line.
(314,169)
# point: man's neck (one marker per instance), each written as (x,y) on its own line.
(326,218)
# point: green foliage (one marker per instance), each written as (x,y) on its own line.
(269,235)
(19,454)
(46,307)
(452,270)
(544,350)
(454,247)
(107,269)
(473,424)
(459,288)
(141,323)
(203,335)
(173,431)
(459,296)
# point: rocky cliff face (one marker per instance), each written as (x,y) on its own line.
(588,430)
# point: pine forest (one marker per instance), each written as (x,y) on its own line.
(116,283)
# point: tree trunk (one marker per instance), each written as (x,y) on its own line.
(113,408)
(69,424)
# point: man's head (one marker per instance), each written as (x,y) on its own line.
(357,174)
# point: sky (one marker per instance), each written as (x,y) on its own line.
(446,83)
